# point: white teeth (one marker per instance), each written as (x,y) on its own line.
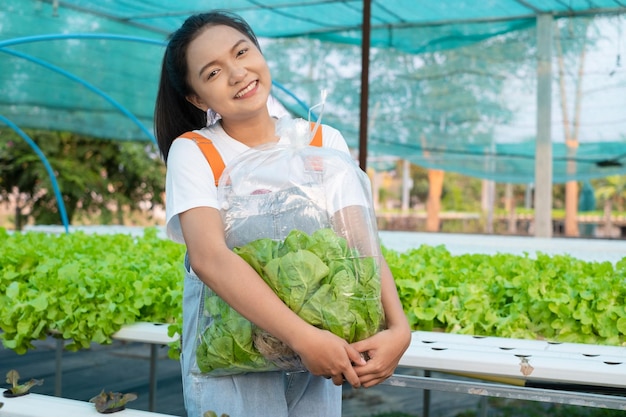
(246,90)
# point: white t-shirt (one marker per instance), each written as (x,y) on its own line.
(189,181)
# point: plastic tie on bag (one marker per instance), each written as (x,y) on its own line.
(299,130)
(324,94)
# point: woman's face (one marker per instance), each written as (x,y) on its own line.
(227,73)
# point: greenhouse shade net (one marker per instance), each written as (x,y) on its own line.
(452,82)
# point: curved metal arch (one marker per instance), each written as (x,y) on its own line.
(293,96)
(61,36)
(53,179)
(43,38)
(84,83)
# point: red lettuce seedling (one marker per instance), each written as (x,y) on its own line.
(107,403)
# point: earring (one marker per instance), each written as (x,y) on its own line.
(212,117)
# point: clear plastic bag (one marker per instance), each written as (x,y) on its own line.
(302,217)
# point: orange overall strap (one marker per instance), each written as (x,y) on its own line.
(317,139)
(210,153)
(215,159)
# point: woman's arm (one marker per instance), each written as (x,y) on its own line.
(230,277)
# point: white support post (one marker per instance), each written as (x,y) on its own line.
(543,148)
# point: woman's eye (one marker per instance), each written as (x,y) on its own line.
(212,74)
(243,51)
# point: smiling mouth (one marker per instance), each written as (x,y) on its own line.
(246,90)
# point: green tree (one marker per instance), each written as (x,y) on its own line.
(94,176)
(611,193)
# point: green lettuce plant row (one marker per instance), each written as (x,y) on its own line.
(83,287)
(557,298)
(86,287)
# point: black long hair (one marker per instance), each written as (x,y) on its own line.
(173,114)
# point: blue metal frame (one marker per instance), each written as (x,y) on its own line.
(53,179)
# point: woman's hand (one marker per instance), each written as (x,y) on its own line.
(325,354)
(384,350)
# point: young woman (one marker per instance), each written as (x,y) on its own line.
(213,70)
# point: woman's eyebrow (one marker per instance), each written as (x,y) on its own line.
(208,64)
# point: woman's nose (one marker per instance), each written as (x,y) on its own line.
(237,74)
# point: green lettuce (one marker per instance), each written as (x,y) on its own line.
(227,341)
(318,276)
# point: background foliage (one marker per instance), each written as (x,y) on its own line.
(104,181)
